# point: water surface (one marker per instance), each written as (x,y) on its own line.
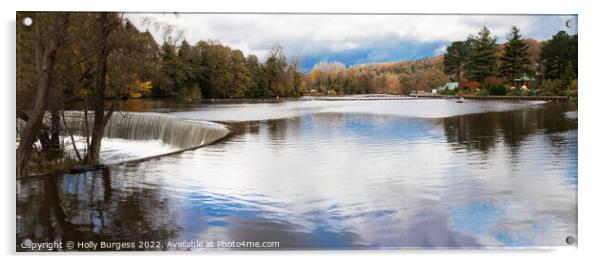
(334,175)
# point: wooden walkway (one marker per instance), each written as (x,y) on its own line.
(501,97)
(422,97)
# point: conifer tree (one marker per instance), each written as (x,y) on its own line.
(482,59)
(455,58)
(515,59)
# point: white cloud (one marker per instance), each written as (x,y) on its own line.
(303,34)
(440,50)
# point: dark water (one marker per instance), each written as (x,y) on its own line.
(334,175)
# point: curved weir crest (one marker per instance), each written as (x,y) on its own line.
(179,133)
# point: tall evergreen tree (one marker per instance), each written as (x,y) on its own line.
(482,59)
(515,59)
(455,58)
(557,53)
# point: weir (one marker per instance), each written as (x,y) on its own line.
(182,134)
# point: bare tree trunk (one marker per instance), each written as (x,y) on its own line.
(45,59)
(87,126)
(79,157)
(55,121)
(100,120)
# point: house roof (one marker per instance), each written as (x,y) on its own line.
(449,86)
(524,78)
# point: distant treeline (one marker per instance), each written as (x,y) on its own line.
(212,70)
(332,78)
(476,63)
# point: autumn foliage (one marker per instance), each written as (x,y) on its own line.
(390,78)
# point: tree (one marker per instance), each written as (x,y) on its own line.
(217,72)
(299,87)
(133,63)
(482,59)
(241,75)
(569,75)
(534,51)
(187,68)
(275,68)
(49,38)
(515,59)
(455,58)
(392,84)
(105,24)
(557,53)
(172,68)
(258,87)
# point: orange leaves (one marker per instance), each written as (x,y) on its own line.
(138,88)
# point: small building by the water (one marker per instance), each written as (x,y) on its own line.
(523,82)
(450,86)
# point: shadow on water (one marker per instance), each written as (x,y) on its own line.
(83,207)
(483,130)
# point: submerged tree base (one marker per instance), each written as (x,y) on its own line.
(86,167)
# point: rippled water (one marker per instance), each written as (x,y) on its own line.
(335,175)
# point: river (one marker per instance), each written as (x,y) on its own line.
(330,175)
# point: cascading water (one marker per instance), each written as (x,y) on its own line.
(139,136)
(175,132)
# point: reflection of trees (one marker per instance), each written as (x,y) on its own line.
(252,127)
(86,207)
(40,217)
(480,131)
(279,129)
(471,131)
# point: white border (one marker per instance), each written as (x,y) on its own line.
(589,126)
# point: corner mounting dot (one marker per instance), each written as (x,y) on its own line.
(27,21)
(570,240)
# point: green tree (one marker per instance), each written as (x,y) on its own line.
(258,87)
(515,59)
(173,69)
(569,75)
(455,58)
(557,53)
(482,59)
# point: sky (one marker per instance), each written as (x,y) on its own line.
(349,39)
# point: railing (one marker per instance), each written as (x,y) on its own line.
(497,97)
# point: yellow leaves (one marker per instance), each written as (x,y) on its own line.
(138,88)
(146,86)
(314,75)
(392,84)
